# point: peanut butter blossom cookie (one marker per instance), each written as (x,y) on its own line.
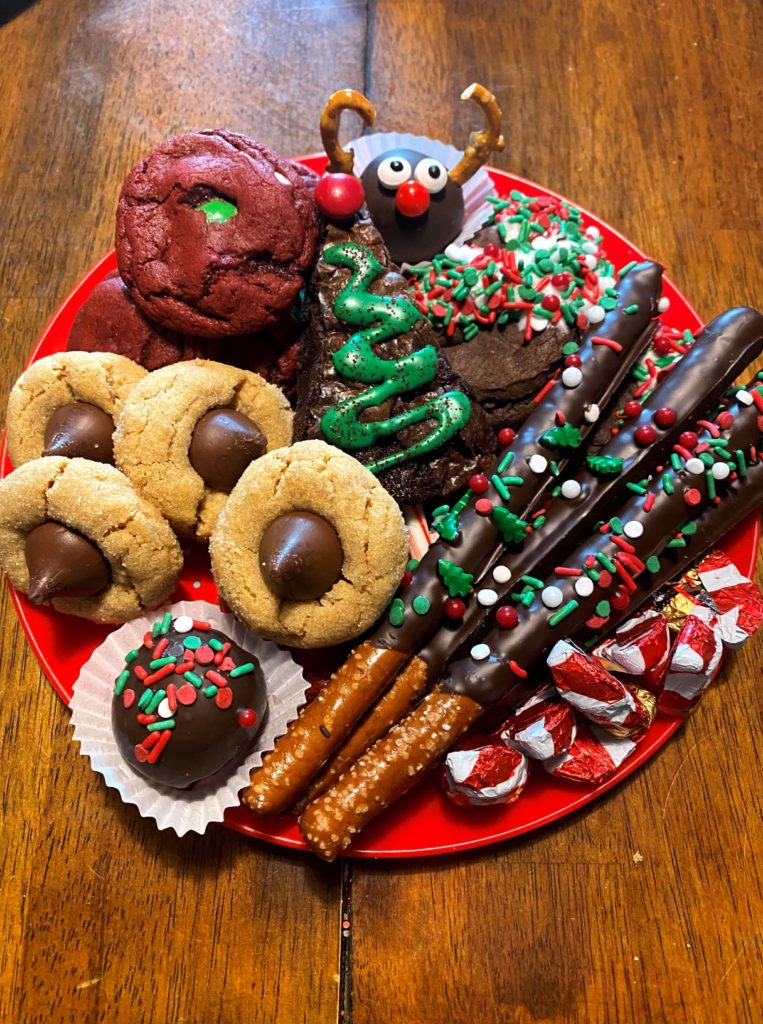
(309,547)
(189,432)
(214,234)
(77,534)
(187,704)
(66,404)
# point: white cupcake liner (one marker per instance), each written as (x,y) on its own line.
(476,190)
(180,810)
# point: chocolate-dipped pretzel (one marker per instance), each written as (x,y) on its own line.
(482,523)
(499,669)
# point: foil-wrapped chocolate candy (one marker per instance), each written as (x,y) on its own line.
(693,662)
(485,776)
(736,599)
(543,727)
(597,694)
(639,649)
(593,757)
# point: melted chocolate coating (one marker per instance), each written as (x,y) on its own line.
(412,239)
(479,542)
(207,737)
(224,442)
(301,556)
(492,680)
(692,390)
(63,563)
(80,430)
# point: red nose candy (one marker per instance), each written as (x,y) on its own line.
(339,196)
(412,199)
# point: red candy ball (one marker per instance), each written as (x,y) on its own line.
(632,409)
(478,483)
(619,599)
(688,439)
(412,199)
(407,579)
(506,617)
(246,718)
(454,608)
(573,360)
(662,345)
(645,436)
(561,281)
(724,420)
(339,195)
(664,418)
(550,302)
(505,436)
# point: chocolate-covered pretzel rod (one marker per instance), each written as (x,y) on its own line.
(485,525)
(498,670)
(720,352)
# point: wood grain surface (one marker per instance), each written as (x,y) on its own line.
(645,907)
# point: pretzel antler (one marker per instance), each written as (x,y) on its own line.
(481,144)
(344,99)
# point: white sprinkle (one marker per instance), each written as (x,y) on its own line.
(571,489)
(743,397)
(595,314)
(572,376)
(583,587)
(540,242)
(695,466)
(663,305)
(591,413)
(592,232)
(479,652)
(538,323)
(501,574)
(487,597)
(163,711)
(538,463)
(606,282)
(183,624)
(633,529)
(720,470)
(589,247)
(589,260)
(282,178)
(552,597)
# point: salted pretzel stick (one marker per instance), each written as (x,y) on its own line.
(499,669)
(344,99)
(720,352)
(481,144)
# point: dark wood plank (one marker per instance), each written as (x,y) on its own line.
(103,918)
(646,114)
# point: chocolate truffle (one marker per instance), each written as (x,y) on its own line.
(63,563)
(223,444)
(300,556)
(80,430)
(187,704)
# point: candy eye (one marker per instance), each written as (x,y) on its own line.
(393,171)
(431,174)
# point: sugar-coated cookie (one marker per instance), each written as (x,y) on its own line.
(189,431)
(77,533)
(66,404)
(309,547)
(214,234)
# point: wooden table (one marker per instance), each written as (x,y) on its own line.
(644,907)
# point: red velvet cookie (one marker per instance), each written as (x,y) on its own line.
(214,234)
(109,321)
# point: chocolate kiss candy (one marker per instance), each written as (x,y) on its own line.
(300,556)
(223,444)
(62,563)
(80,430)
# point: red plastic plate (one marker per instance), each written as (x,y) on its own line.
(424,822)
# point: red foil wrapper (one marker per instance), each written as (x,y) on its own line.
(593,757)
(596,693)
(542,727)
(485,776)
(640,649)
(693,662)
(736,599)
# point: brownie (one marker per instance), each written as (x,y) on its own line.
(321,388)
(215,233)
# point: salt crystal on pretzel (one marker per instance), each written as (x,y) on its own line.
(693,663)
(639,648)
(593,757)
(542,727)
(736,599)
(596,694)
(486,776)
